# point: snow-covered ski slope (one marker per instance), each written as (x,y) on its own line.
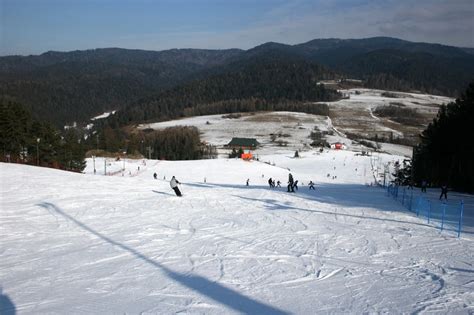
(93,244)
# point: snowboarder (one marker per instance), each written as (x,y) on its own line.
(444,192)
(311,185)
(155,175)
(174,185)
(290,183)
(278,184)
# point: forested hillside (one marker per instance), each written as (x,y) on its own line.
(75,86)
(391,63)
(261,83)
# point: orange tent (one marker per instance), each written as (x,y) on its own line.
(246,156)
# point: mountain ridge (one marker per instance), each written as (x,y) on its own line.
(74,86)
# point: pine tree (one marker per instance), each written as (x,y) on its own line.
(446,151)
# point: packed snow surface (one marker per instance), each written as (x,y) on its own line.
(125,244)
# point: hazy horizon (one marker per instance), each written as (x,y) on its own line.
(31,27)
(153,50)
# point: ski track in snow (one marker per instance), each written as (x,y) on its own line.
(74,243)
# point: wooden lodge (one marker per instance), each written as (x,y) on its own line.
(243,143)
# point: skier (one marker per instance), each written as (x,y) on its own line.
(295,185)
(273,183)
(278,184)
(311,185)
(247,183)
(155,176)
(423,186)
(174,185)
(270,182)
(444,192)
(290,183)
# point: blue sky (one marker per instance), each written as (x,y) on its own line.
(36,26)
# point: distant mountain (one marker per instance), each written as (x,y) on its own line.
(319,49)
(74,86)
(385,62)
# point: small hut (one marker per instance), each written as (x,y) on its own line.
(243,143)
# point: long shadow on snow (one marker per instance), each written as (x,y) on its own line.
(454,198)
(235,186)
(7,307)
(212,290)
(346,195)
(276,205)
(162,193)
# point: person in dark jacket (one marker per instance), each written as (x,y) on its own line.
(295,185)
(444,192)
(174,185)
(270,182)
(311,185)
(155,176)
(423,185)
(290,183)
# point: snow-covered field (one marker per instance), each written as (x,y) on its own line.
(294,129)
(353,115)
(356,114)
(93,244)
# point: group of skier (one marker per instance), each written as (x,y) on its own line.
(444,189)
(292,184)
(271,183)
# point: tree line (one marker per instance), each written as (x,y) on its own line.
(172,143)
(445,154)
(24,139)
